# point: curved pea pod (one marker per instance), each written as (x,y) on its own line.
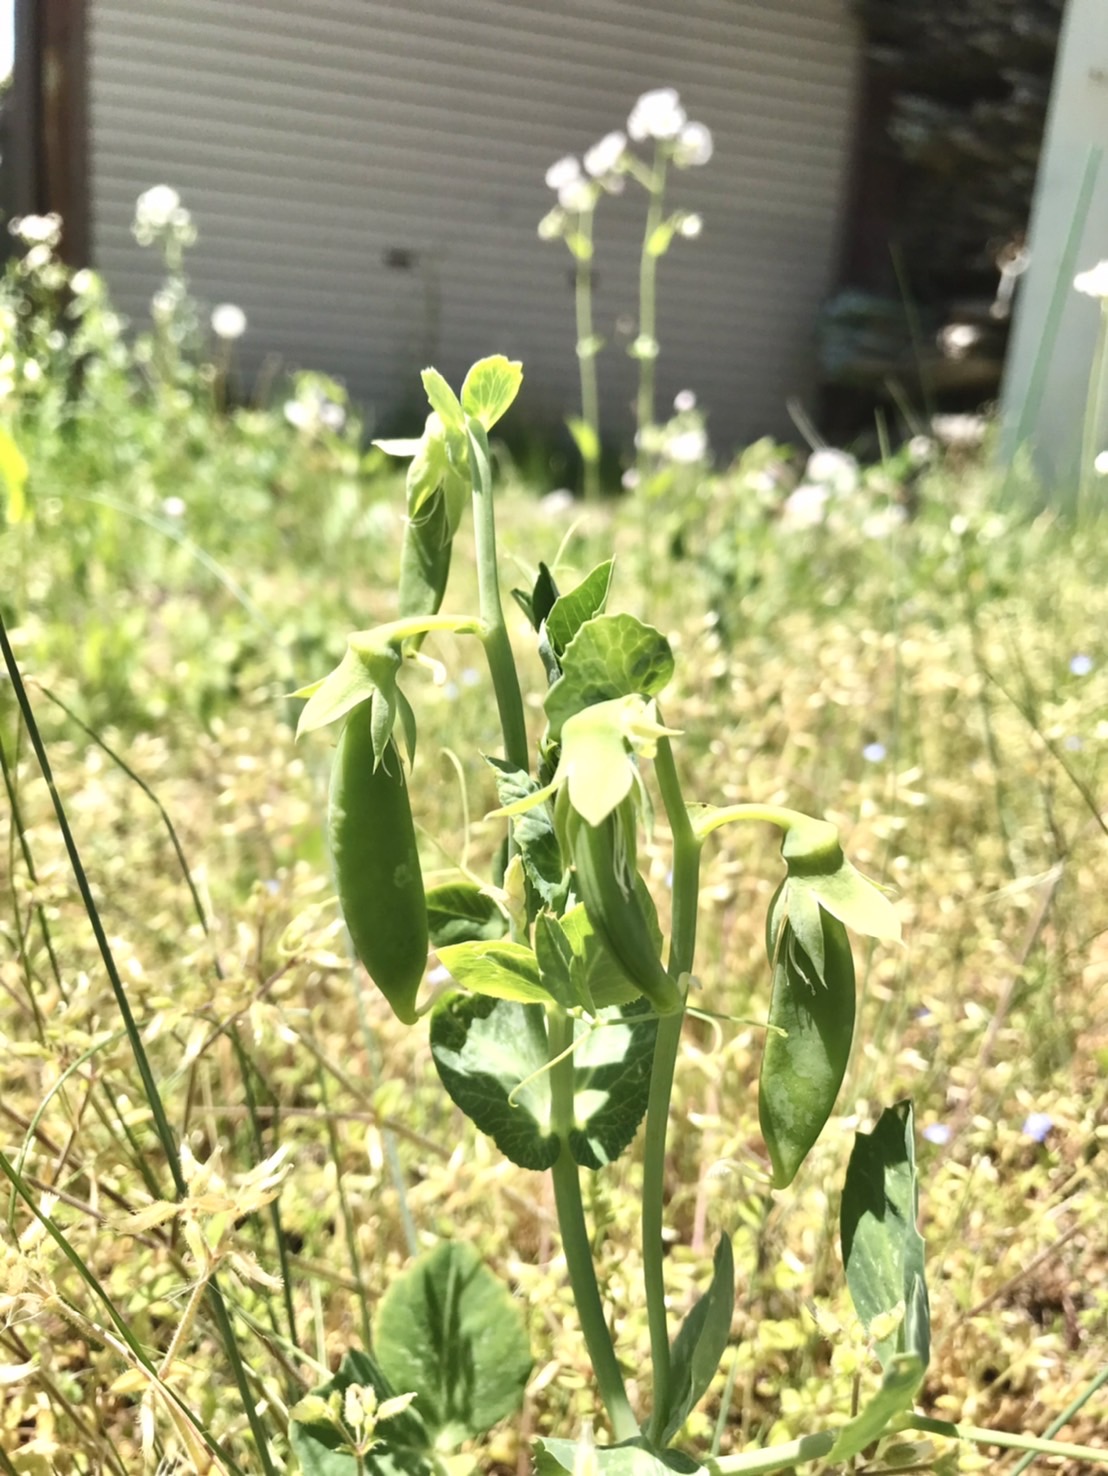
(376,859)
(811,1016)
(603,857)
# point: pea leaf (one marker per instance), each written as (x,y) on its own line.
(447,1329)
(533,831)
(359,676)
(484,1051)
(584,438)
(902,1379)
(570,611)
(701,1342)
(317,1443)
(498,969)
(609,656)
(633,1459)
(492,1058)
(460,912)
(806,1052)
(601,976)
(882,1247)
(490,387)
(443,400)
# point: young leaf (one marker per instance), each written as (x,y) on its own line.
(460,912)
(806,1052)
(498,969)
(902,1379)
(447,1329)
(490,387)
(13,474)
(570,611)
(443,400)
(882,1247)
(559,967)
(609,656)
(584,438)
(318,1442)
(701,1342)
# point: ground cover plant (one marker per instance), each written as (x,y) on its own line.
(902,677)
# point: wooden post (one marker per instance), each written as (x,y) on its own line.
(1047,372)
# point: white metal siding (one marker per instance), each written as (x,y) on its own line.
(311,139)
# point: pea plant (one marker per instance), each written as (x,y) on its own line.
(559,1034)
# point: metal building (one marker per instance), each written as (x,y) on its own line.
(367,178)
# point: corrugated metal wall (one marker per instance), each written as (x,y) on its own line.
(317,142)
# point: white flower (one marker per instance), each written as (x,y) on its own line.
(577,195)
(163,305)
(1093,283)
(605,156)
(156,207)
(920,450)
(684,401)
(959,430)
(37,230)
(884,523)
(553,224)
(691,226)
(228,321)
(693,147)
(174,507)
(565,171)
(835,470)
(1100,465)
(657,114)
(956,339)
(805,507)
(83,282)
(688,446)
(32,371)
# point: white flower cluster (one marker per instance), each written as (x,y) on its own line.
(159,213)
(658,115)
(37,230)
(1093,283)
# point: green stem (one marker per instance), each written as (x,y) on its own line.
(498,650)
(1004,1439)
(777,815)
(1093,405)
(586,355)
(1074,1407)
(686,887)
(575,1235)
(647,337)
(815,1446)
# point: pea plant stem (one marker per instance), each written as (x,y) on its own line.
(686,886)
(647,336)
(575,1236)
(498,650)
(586,355)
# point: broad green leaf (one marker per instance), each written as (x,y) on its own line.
(498,969)
(611,1083)
(449,1330)
(317,1442)
(443,400)
(882,1247)
(13,473)
(537,604)
(633,1459)
(484,1051)
(902,1379)
(460,912)
(559,967)
(533,832)
(585,439)
(570,611)
(601,976)
(807,1049)
(490,387)
(609,656)
(356,678)
(701,1342)
(492,1058)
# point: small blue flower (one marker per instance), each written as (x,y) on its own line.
(1073,743)
(1081,665)
(874,753)
(1037,1125)
(937,1132)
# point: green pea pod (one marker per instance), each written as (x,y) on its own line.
(803,1068)
(603,857)
(376,858)
(425,560)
